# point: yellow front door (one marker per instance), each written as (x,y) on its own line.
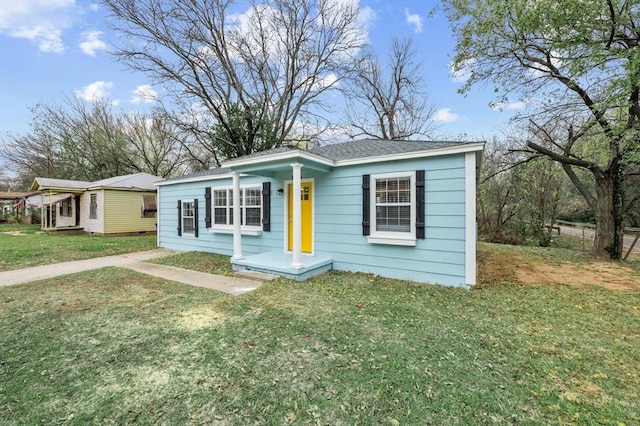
(306,201)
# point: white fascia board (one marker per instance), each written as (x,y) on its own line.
(118,188)
(415,154)
(291,155)
(470,219)
(194,179)
(73,190)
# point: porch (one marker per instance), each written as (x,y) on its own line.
(280,264)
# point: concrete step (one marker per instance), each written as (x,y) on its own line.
(254,275)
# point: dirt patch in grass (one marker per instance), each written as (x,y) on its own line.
(604,274)
(200,317)
(501,265)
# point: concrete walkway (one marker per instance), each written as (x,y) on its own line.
(134,261)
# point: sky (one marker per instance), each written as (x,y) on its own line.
(52,49)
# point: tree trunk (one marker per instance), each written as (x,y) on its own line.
(609,224)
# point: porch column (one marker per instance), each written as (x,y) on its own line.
(297,217)
(237,235)
(43,218)
(50,224)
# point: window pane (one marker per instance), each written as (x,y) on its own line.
(252,197)
(220,216)
(187,209)
(253,216)
(220,197)
(187,225)
(393,218)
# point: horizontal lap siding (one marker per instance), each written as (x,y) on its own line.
(439,258)
(123,212)
(209,241)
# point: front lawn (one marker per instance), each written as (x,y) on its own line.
(115,346)
(22,246)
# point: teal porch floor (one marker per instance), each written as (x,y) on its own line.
(280,264)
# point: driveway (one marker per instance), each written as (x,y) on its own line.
(590,234)
(136,262)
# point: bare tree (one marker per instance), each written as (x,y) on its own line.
(577,64)
(37,153)
(155,146)
(82,141)
(274,62)
(389,100)
(88,138)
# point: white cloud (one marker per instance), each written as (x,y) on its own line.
(512,106)
(462,72)
(264,17)
(94,6)
(445,115)
(326,81)
(415,20)
(41,21)
(95,91)
(91,42)
(516,105)
(366,17)
(144,94)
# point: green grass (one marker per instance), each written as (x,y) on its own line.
(18,227)
(115,346)
(204,262)
(32,249)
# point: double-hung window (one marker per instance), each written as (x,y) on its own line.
(393,208)
(250,207)
(188,217)
(93,206)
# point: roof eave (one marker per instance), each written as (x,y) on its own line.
(280,156)
(193,179)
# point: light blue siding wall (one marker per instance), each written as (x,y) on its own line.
(439,258)
(210,241)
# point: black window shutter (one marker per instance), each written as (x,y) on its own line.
(179,218)
(420,204)
(195,218)
(207,207)
(365,205)
(266,206)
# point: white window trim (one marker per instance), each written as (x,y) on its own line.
(228,229)
(392,238)
(251,230)
(192,233)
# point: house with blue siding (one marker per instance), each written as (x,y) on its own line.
(398,209)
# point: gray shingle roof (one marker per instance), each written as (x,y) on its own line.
(350,150)
(267,152)
(374,148)
(44,182)
(209,172)
(143,181)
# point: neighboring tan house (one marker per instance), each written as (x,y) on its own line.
(399,209)
(118,205)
